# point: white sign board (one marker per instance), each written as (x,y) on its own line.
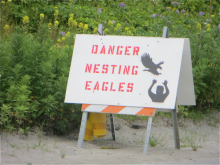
(125,71)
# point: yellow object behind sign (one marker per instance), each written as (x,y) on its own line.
(96,126)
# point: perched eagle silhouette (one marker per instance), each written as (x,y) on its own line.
(148,63)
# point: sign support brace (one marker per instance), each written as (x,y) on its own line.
(82,129)
(174,112)
(100,31)
(147,136)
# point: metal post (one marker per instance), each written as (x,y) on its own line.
(112,126)
(147,136)
(100,31)
(82,130)
(165,32)
(174,112)
(175,127)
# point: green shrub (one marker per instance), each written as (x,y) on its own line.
(35,55)
(33,82)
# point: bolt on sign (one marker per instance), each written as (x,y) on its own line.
(129,71)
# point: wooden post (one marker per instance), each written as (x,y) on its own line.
(174,112)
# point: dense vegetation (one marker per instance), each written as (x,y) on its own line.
(37,38)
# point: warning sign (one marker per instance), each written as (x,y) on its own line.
(125,71)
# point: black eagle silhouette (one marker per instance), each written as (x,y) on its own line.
(148,63)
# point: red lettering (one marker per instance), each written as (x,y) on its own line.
(126,50)
(136,50)
(105,69)
(103,86)
(88,68)
(119,52)
(134,72)
(111,49)
(111,89)
(120,89)
(126,69)
(96,86)
(96,69)
(119,71)
(87,85)
(103,50)
(96,49)
(130,86)
(113,68)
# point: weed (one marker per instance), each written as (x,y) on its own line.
(185,145)
(193,145)
(108,147)
(197,116)
(39,132)
(130,118)
(35,146)
(42,146)
(164,114)
(25,131)
(29,163)
(62,153)
(39,135)
(14,145)
(192,138)
(47,150)
(153,141)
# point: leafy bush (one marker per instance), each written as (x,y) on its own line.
(33,81)
(37,40)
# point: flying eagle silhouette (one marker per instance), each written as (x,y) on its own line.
(148,63)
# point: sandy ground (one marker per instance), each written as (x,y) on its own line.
(129,146)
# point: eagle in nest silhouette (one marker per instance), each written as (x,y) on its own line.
(148,63)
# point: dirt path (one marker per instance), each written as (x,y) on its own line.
(129,144)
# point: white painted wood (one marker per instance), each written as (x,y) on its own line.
(185,92)
(84,89)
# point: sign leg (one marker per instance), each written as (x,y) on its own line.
(82,130)
(147,136)
(175,128)
(112,126)
(174,112)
